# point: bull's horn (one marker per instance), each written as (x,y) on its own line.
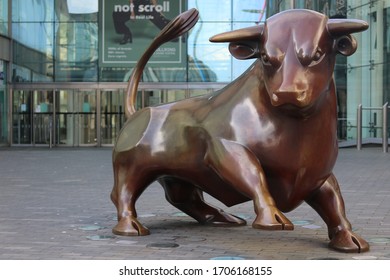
(245,34)
(339,27)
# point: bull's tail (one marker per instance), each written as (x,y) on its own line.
(175,28)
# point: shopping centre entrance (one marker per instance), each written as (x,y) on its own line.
(80,116)
(66,117)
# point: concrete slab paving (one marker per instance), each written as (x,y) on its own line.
(54,204)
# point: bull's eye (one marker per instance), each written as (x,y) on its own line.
(265,58)
(317,58)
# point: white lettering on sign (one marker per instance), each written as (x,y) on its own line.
(143,8)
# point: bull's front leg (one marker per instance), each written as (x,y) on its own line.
(239,167)
(328,202)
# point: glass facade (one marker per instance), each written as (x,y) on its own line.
(70,61)
(4,17)
(52,44)
(3,105)
(3,73)
(59,41)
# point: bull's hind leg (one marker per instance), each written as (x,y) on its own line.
(328,202)
(125,192)
(189,199)
(241,169)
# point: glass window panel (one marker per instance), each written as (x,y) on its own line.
(32,11)
(36,36)
(208,62)
(77,53)
(155,73)
(33,34)
(77,41)
(3,103)
(386,56)
(199,92)
(112,115)
(215,11)
(4,17)
(274,7)
(156,97)
(82,7)
(86,120)
(65,117)
(173,95)
(114,74)
(22,117)
(21,74)
(152,97)
(306,4)
(37,64)
(334,9)
(249,11)
(364,65)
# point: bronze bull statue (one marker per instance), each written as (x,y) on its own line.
(269,136)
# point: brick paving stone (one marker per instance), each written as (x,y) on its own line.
(49,198)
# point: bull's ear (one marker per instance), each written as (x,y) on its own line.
(341,29)
(244,50)
(244,43)
(346,45)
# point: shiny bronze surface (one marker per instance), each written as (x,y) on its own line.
(269,136)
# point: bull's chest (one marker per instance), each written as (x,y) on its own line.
(296,161)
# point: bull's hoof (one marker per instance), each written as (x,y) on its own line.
(348,242)
(223,219)
(130,226)
(272,219)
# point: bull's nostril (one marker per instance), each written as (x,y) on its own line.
(301,96)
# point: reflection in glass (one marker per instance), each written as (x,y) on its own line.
(32,117)
(86,122)
(22,117)
(4,17)
(3,116)
(42,117)
(82,7)
(249,11)
(65,117)
(112,115)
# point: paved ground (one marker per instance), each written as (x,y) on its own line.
(54,204)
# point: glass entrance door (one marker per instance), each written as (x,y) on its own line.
(22,117)
(112,112)
(86,117)
(42,117)
(3,116)
(32,117)
(65,118)
(75,118)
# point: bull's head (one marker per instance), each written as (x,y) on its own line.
(297,49)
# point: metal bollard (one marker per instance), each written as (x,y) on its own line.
(385,139)
(50,132)
(359,127)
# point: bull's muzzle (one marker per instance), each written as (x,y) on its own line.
(297,98)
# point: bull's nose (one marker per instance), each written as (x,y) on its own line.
(297,98)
